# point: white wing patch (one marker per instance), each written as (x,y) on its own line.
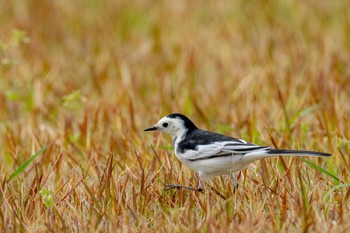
(218,149)
(245,142)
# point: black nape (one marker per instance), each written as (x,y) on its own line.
(188,123)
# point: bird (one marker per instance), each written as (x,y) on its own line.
(212,154)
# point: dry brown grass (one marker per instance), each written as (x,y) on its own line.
(87,77)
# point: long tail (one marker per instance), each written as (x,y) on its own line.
(297,153)
(278,152)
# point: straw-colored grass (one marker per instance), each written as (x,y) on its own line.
(86,77)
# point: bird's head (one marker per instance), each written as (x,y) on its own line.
(174,124)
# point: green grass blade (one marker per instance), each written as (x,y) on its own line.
(324,171)
(303,194)
(326,196)
(330,166)
(303,113)
(26,163)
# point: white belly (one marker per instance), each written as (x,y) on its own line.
(218,166)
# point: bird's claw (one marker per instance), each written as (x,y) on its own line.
(179,186)
(172,186)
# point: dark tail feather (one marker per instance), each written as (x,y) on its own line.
(297,153)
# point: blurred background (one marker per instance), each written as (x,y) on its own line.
(89,76)
(170,56)
(241,65)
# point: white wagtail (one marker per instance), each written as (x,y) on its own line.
(212,154)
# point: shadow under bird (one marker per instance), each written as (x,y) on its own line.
(212,154)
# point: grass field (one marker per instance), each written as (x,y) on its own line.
(80,80)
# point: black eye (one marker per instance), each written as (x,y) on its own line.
(165,125)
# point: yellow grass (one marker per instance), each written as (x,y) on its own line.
(86,77)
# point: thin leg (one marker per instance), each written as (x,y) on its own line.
(200,186)
(234,181)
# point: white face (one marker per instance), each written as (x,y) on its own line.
(173,126)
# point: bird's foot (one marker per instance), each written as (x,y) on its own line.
(179,186)
(234,182)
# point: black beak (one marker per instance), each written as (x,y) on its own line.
(151,128)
